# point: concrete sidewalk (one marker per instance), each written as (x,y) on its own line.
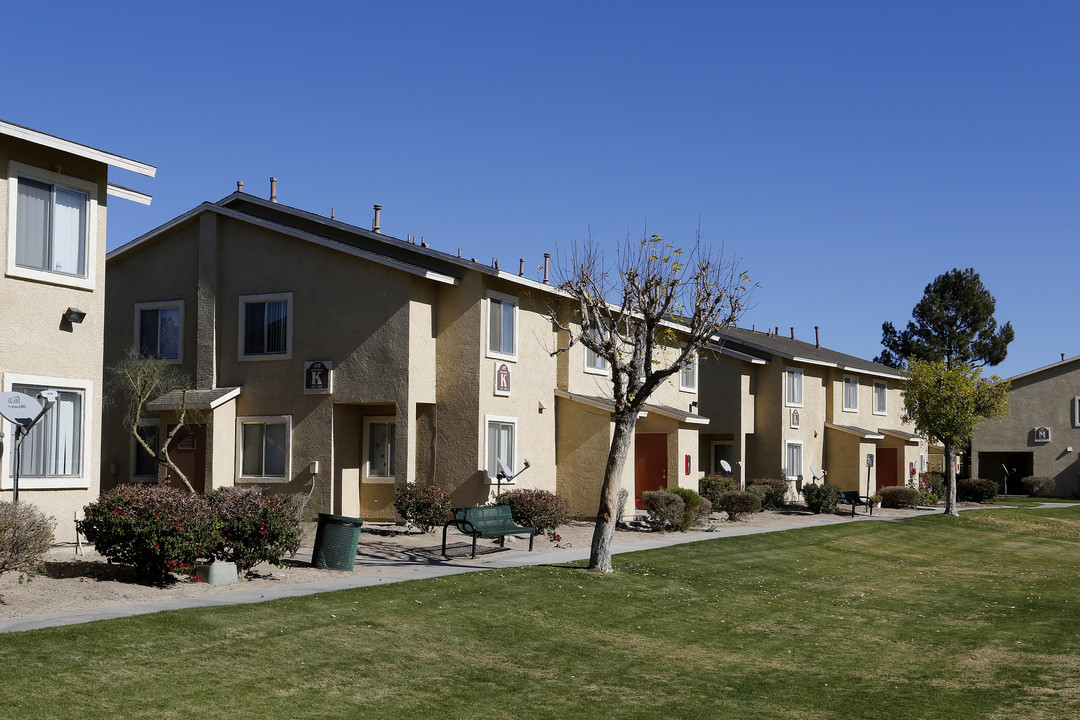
(398,570)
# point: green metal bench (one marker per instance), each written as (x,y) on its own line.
(853,498)
(487,521)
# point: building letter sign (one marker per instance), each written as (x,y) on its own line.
(318,377)
(502,379)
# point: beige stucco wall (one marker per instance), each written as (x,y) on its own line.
(583,440)
(33,342)
(1045,398)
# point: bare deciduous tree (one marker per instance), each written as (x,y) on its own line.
(648,315)
(135,380)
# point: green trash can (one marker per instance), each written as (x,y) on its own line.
(336,538)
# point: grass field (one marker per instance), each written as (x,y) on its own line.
(931,617)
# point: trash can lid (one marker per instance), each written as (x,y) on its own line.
(340,520)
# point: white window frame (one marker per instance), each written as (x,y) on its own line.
(368,422)
(802,459)
(89,422)
(137,450)
(790,372)
(693,373)
(241,326)
(488,420)
(263,420)
(502,299)
(163,305)
(594,363)
(884,390)
(844,393)
(89,280)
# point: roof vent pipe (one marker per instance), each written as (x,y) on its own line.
(375,222)
(239,186)
(793,333)
(547,263)
(776,331)
(521,268)
(331,213)
(423,243)
(1062,357)
(817,337)
(273,189)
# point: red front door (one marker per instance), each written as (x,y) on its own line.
(188,451)
(886,468)
(650,463)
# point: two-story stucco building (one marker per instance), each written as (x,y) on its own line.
(783,408)
(53,199)
(331,356)
(1040,435)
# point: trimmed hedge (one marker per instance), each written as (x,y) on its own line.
(26,534)
(775,492)
(711,487)
(976,490)
(546,509)
(1038,485)
(696,507)
(895,496)
(821,498)
(425,506)
(738,503)
(666,509)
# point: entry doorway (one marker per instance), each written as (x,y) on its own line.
(993,465)
(887,474)
(188,451)
(650,463)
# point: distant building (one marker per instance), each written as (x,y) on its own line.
(1040,435)
(53,198)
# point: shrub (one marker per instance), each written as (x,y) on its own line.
(153,528)
(976,490)
(738,503)
(1038,485)
(775,492)
(895,496)
(26,534)
(254,527)
(546,509)
(425,506)
(932,482)
(758,491)
(666,509)
(695,507)
(821,498)
(711,487)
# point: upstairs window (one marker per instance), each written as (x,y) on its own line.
(688,376)
(851,393)
(793,387)
(593,362)
(502,327)
(880,398)
(266,327)
(51,227)
(158,328)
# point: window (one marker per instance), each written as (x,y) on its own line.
(264,447)
(379,447)
(501,444)
(793,382)
(52,221)
(159,329)
(794,469)
(595,363)
(143,466)
(851,393)
(502,327)
(688,376)
(880,397)
(54,453)
(265,327)
(723,452)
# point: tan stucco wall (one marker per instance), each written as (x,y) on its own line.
(1044,398)
(583,439)
(32,341)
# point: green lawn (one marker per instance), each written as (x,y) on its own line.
(931,617)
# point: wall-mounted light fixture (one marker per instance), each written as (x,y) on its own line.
(74,315)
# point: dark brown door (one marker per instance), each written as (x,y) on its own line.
(188,451)
(650,463)
(886,468)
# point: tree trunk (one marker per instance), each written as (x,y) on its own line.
(600,557)
(950,480)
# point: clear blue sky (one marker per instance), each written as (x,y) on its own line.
(847,152)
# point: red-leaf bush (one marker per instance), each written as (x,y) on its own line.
(545,509)
(254,527)
(425,506)
(26,534)
(155,529)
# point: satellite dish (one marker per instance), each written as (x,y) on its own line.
(725,466)
(19,408)
(813,472)
(503,470)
